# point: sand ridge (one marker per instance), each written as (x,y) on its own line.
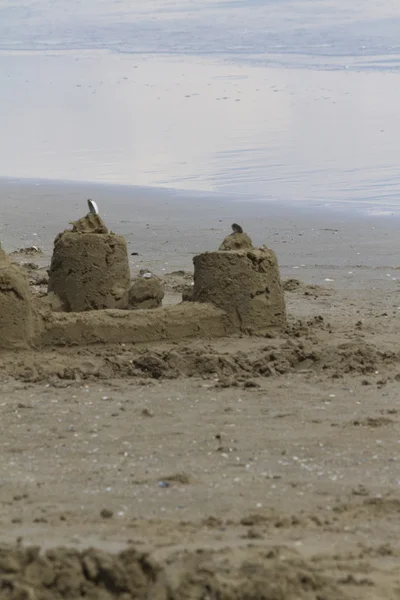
(66,573)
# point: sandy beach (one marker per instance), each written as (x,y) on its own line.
(204,460)
(239,442)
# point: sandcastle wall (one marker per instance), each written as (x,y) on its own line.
(245,284)
(120,326)
(16,316)
(236,288)
(90,268)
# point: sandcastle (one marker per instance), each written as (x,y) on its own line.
(236,289)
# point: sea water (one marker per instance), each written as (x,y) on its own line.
(289,100)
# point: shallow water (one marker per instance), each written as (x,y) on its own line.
(277,99)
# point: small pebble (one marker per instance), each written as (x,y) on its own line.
(147,413)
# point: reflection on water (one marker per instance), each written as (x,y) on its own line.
(275,99)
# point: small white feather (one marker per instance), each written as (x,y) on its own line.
(93,208)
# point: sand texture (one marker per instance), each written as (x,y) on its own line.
(90,223)
(236,241)
(166,454)
(119,326)
(247,466)
(16,318)
(245,284)
(89,268)
(63,573)
(146,293)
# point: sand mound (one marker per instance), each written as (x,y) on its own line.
(64,573)
(355,357)
(187,293)
(16,320)
(90,269)
(236,241)
(316,353)
(294,285)
(178,281)
(91,223)
(146,293)
(245,284)
(30,251)
(230,574)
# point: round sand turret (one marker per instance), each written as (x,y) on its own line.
(90,268)
(16,319)
(244,282)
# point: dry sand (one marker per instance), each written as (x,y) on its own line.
(244,467)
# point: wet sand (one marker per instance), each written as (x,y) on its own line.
(260,466)
(167,227)
(275,456)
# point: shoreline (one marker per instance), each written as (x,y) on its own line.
(355,207)
(167,228)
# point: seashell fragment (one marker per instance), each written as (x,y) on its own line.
(93,208)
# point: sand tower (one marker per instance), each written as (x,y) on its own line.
(16,319)
(243,281)
(90,268)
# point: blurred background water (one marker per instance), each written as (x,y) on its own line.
(295,100)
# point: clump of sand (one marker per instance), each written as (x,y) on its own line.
(187,293)
(89,268)
(146,293)
(91,223)
(230,573)
(237,240)
(29,251)
(16,318)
